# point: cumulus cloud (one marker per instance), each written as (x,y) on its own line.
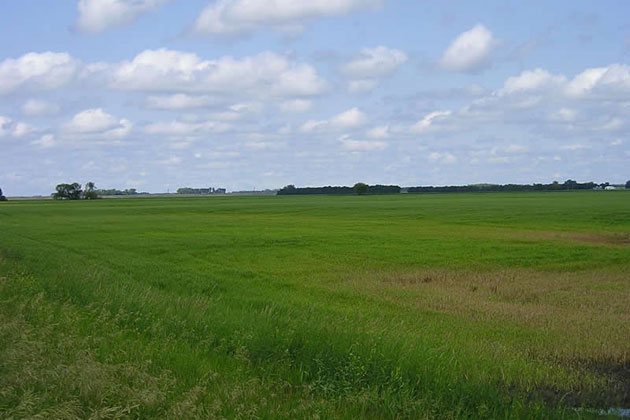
(37,71)
(186,129)
(470,51)
(361,145)
(265,73)
(46,141)
(381,132)
(100,15)
(442,157)
(564,115)
(370,65)
(532,80)
(36,107)
(374,63)
(233,17)
(186,75)
(350,119)
(601,82)
(429,122)
(297,106)
(610,82)
(15,129)
(96,122)
(179,101)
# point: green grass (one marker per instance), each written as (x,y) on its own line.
(410,306)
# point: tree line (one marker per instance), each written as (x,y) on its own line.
(200,191)
(554,186)
(361,188)
(358,188)
(114,191)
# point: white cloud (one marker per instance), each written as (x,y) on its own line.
(36,107)
(584,82)
(22,129)
(96,122)
(45,71)
(46,141)
(179,101)
(427,123)
(602,82)
(10,128)
(375,63)
(608,82)
(532,80)
(371,65)
(236,112)
(232,17)
(381,132)
(352,118)
(361,145)
(297,106)
(266,73)
(564,115)
(180,128)
(613,124)
(100,15)
(442,157)
(470,51)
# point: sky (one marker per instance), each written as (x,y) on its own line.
(256,94)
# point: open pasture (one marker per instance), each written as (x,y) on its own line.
(510,305)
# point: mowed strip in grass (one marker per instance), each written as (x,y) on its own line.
(408,306)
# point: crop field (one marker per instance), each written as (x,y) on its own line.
(507,305)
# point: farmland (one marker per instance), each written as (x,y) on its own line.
(506,305)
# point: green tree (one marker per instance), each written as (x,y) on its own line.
(68,192)
(2,197)
(90,193)
(570,184)
(361,188)
(628,184)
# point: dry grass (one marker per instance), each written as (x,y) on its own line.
(587,308)
(583,318)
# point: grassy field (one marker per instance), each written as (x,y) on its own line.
(427,306)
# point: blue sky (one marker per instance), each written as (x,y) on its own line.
(160,94)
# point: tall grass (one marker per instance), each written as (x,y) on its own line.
(325,307)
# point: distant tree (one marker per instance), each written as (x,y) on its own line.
(90,193)
(570,184)
(2,197)
(361,188)
(68,192)
(628,184)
